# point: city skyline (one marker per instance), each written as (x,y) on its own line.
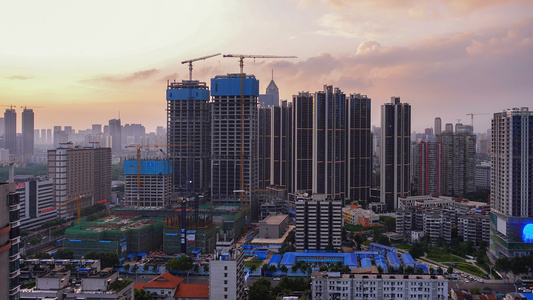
(88,62)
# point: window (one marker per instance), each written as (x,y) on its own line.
(225,274)
(225,282)
(225,268)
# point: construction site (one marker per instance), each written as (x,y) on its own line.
(120,235)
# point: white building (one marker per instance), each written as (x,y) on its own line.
(226,275)
(326,286)
(318,223)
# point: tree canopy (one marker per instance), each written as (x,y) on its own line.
(182,263)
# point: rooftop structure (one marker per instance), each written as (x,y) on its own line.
(115,234)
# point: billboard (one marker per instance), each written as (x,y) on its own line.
(191,235)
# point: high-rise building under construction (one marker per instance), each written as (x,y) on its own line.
(188,135)
(231,141)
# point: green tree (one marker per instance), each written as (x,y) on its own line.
(34,240)
(380,270)
(272,269)
(416,250)
(182,263)
(126,268)
(196,268)
(57,232)
(419,270)
(42,255)
(284,269)
(475,291)
(323,268)
(206,268)
(431,270)
(294,268)
(64,253)
(359,240)
(107,258)
(401,270)
(141,295)
(146,267)
(409,269)
(261,290)
(330,248)
(154,268)
(253,267)
(503,264)
(449,271)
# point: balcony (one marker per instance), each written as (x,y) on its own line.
(15,223)
(14,274)
(14,256)
(14,290)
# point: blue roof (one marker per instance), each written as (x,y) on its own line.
(380,261)
(407,259)
(130,254)
(382,246)
(197,251)
(148,167)
(231,85)
(426,271)
(291,258)
(275,259)
(366,263)
(393,259)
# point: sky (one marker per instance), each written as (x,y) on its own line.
(79,63)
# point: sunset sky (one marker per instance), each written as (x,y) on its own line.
(81,63)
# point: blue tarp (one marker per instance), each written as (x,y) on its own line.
(380,261)
(290,258)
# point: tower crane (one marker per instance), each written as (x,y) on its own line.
(31,107)
(472,117)
(241,58)
(78,204)
(190,61)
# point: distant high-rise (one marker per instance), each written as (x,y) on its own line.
(49,136)
(115,130)
(10,129)
(512,184)
(359,148)
(265,146)
(188,135)
(458,161)
(27,132)
(430,168)
(302,142)
(43,139)
(395,152)
(438,126)
(448,127)
(281,164)
(97,128)
(330,143)
(229,137)
(271,97)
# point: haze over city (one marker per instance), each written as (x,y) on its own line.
(84,62)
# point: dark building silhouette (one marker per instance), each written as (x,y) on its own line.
(28,137)
(10,131)
(395,152)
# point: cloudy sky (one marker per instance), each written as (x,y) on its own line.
(84,62)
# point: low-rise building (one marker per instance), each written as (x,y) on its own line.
(57,284)
(273,226)
(326,285)
(475,228)
(357,216)
(169,287)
